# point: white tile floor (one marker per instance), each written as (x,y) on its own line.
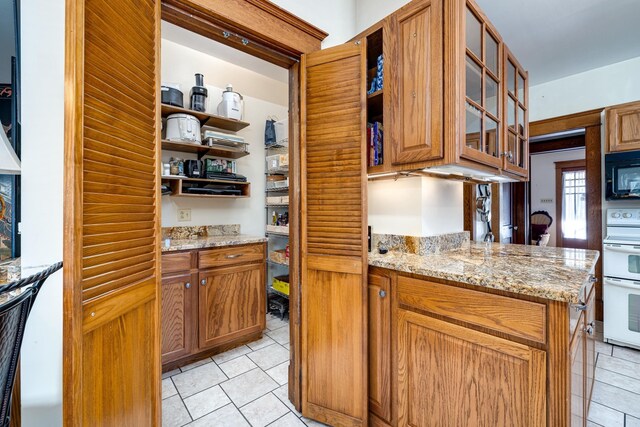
(247,386)
(616,392)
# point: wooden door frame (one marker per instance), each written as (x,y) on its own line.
(561,167)
(591,122)
(278,37)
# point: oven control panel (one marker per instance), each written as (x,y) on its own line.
(623,217)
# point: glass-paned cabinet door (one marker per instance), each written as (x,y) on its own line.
(516,149)
(483,93)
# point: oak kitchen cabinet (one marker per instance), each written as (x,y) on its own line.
(454,98)
(623,127)
(453,348)
(212,300)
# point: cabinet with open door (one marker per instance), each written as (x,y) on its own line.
(454,99)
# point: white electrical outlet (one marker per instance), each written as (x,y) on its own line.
(184,215)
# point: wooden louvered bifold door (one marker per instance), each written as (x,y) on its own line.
(333,222)
(112,286)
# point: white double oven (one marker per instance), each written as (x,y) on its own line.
(621,286)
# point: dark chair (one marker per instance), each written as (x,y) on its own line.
(13,318)
(540,223)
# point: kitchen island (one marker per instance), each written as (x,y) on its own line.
(485,334)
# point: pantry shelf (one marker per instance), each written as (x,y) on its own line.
(178,189)
(203,150)
(206,119)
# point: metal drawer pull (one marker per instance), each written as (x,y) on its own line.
(580,307)
(233,256)
(187,285)
(382,293)
(203,282)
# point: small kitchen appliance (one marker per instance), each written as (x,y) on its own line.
(171,94)
(199,95)
(183,128)
(232,105)
(621,285)
(193,168)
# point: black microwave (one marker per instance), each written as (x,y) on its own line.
(622,175)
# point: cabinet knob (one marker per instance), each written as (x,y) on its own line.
(589,330)
(382,293)
(187,285)
(593,279)
(203,282)
(508,155)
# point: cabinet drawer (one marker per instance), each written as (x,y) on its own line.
(220,257)
(173,263)
(524,319)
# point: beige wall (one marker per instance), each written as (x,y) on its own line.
(263,96)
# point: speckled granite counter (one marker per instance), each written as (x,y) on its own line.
(550,273)
(205,236)
(210,242)
(9,271)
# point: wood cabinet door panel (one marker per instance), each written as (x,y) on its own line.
(176,263)
(420,71)
(111,260)
(231,303)
(623,127)
(219,257)
(333,265)
(380,346)
(590,347)
(451,375)
(578,417)
(178,311)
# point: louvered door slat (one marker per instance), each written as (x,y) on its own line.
(334,291)
(113,255)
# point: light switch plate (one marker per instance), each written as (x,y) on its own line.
(184,215)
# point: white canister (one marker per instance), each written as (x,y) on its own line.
(183,128)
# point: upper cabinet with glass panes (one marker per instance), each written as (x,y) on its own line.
(516,155)
(483,84)
(456,99)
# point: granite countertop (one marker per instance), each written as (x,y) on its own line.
(550,273)
(200,242)
(9,272)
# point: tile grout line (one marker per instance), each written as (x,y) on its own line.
(621,374)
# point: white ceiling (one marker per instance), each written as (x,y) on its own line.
(557,38)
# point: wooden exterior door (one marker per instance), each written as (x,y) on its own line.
(112,253)
(572,200)
(420,70)
(333,235)
(179,294)
(452,375)
(231,303)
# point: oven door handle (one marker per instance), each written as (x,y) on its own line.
(622,248)
(623,284)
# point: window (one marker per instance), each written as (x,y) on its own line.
(574,205)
